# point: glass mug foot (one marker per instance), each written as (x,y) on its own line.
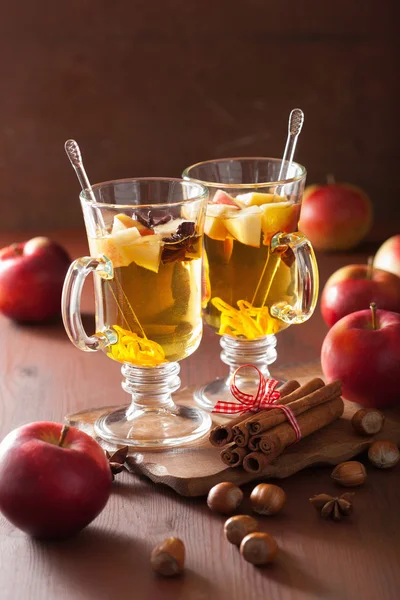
(235,353)
(153,420)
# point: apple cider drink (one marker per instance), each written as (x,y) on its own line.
(242,277)
(153,300)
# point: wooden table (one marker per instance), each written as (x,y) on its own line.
(44,377)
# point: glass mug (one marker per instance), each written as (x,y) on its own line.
(260,274)
(145,239)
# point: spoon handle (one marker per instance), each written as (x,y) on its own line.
(74,154)
(296,120)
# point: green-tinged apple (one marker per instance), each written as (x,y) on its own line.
(363,351)
(336,216)
(388,255)
(353,287)
(246,226)
(31,279)
(54,479)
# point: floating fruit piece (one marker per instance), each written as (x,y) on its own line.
(167,229)
(256,199)
(215,228)
(145,252)
(276,217)
(127,246)
(246,226)
(222,197)
(122,222)
(221,210)
(114,245)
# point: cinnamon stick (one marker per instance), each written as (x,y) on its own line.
(233,456)
(274,441)
(241,433)
(255,423)
(223,434)
(275,416)
(255,462)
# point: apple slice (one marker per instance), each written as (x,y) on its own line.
(215,228)
(257,199)
(145,252)
(221,210)
(113,245)
(245,227)
(168,228)
(122,222)
(278,216)
(222,197)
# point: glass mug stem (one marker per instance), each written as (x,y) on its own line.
(236,352)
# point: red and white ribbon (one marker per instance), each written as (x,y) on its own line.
(266,397)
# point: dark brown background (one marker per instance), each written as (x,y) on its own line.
(148,87)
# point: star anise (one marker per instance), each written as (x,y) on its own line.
(180,243)
(117,460)
(152,219)
(185,230)
(330,507)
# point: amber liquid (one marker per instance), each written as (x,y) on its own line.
(237,272)
(163,307)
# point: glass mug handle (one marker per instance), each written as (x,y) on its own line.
(306,278)
(71,303)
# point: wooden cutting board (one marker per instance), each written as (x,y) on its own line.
(194,469)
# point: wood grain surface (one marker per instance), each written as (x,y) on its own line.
(193,470)
(42,376)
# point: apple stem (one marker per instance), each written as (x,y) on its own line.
(370,267)
(373,313)
(15,247)
(63,435)
(330,179)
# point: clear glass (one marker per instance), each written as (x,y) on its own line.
(145,239)
(259,273)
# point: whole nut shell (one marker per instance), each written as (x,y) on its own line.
(349,474)
(168,557)
(237,527)
(267,499)
(259,548)
(367,421)
(224,498)
(384,454)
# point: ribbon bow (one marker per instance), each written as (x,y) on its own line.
(265,398)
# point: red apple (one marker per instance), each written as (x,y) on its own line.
(363,350)
(336,216)
(353,287)
(31,279)
(54,480)
(388,255)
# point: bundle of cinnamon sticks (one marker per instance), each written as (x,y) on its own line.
(254,440)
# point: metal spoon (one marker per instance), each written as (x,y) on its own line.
(296,120)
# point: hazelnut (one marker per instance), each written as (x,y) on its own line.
(224,497)
(168,557)
(236,528)
(367,421)
(259,548)
(384,454)
(349,474)
(267,499)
